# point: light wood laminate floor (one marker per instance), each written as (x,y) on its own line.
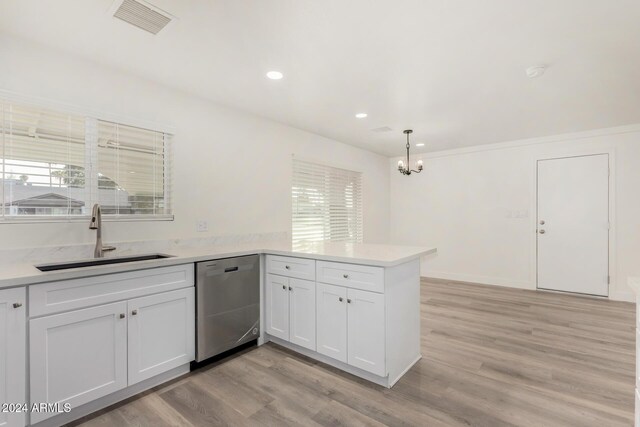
(491,357)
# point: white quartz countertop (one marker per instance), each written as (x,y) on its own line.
(18,274)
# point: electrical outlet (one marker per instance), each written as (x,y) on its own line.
(202,226)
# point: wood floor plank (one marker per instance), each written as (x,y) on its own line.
(492,356)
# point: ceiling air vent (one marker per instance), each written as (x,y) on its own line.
(382,129)
(142,15)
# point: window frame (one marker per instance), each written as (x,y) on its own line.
(91,142)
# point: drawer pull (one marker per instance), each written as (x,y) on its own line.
(284,287)
(134,312)
(290,288)
(349,300)
(122,316)
(340,299)
(346,276)
(17,304)
(287,267)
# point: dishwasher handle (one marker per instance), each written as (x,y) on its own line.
(231,269)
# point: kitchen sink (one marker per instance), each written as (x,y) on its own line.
(99,261)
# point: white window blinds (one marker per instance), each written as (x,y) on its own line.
(57,165)
(42,162)
(131,170)
(326,203)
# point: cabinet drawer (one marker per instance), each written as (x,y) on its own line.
(300,268)
(54,297)
(351,275)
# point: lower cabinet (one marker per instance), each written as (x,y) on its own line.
(12,354)
(82,355)
(351,327)
(291,310)
(161,333)
(79,356)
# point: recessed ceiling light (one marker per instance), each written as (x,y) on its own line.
(275,75)
(420,145)
(361,115)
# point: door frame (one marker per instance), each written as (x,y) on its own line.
(563,154)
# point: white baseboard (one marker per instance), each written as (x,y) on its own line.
(483,280)
(496,281)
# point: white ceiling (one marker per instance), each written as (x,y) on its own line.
(454,71)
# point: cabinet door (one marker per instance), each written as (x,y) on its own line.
(332,321)
(278,306)
(366,331)
(12,354)
(302,313)
(161,333)
(78,357)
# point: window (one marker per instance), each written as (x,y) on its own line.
(326,203)
(56,165)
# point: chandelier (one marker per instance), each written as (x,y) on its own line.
(405,169)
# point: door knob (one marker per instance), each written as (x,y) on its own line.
(340,299)
(122,316)
(542,222)
(346,276)
(17,304)
(134,312)
(284,287)
(541,231)
(290,288)
(349,300)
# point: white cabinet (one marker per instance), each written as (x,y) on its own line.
(12,354)
(332,321)
(366,334)
(278,306)
(161,333)
(302,313)
(79,356)
(291,313)
(351,327)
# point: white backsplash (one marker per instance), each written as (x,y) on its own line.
(73,252)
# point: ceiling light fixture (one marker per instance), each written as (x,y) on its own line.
(275,75)
(361,115)
(535,71)
(404,169)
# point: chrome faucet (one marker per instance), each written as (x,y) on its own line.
(96,224)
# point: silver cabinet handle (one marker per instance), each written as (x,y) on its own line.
(348,300)
(122,316)
(134,312)
(340,299)
(346,276)
(287,267)
(541,231)
(17,304)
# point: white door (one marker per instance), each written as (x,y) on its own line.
(332,321)
(13,337)
(302,313)
(573,224)
(278,306)
(366,335)
(161,333)
(79,356)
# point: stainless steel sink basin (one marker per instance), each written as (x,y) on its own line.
(99,261)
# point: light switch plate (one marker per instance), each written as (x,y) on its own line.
(202,226)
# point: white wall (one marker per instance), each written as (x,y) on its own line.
(478,207)
(230,168)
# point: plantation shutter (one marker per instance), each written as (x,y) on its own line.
(326,203)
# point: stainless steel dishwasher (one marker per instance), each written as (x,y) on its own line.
(227,304)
